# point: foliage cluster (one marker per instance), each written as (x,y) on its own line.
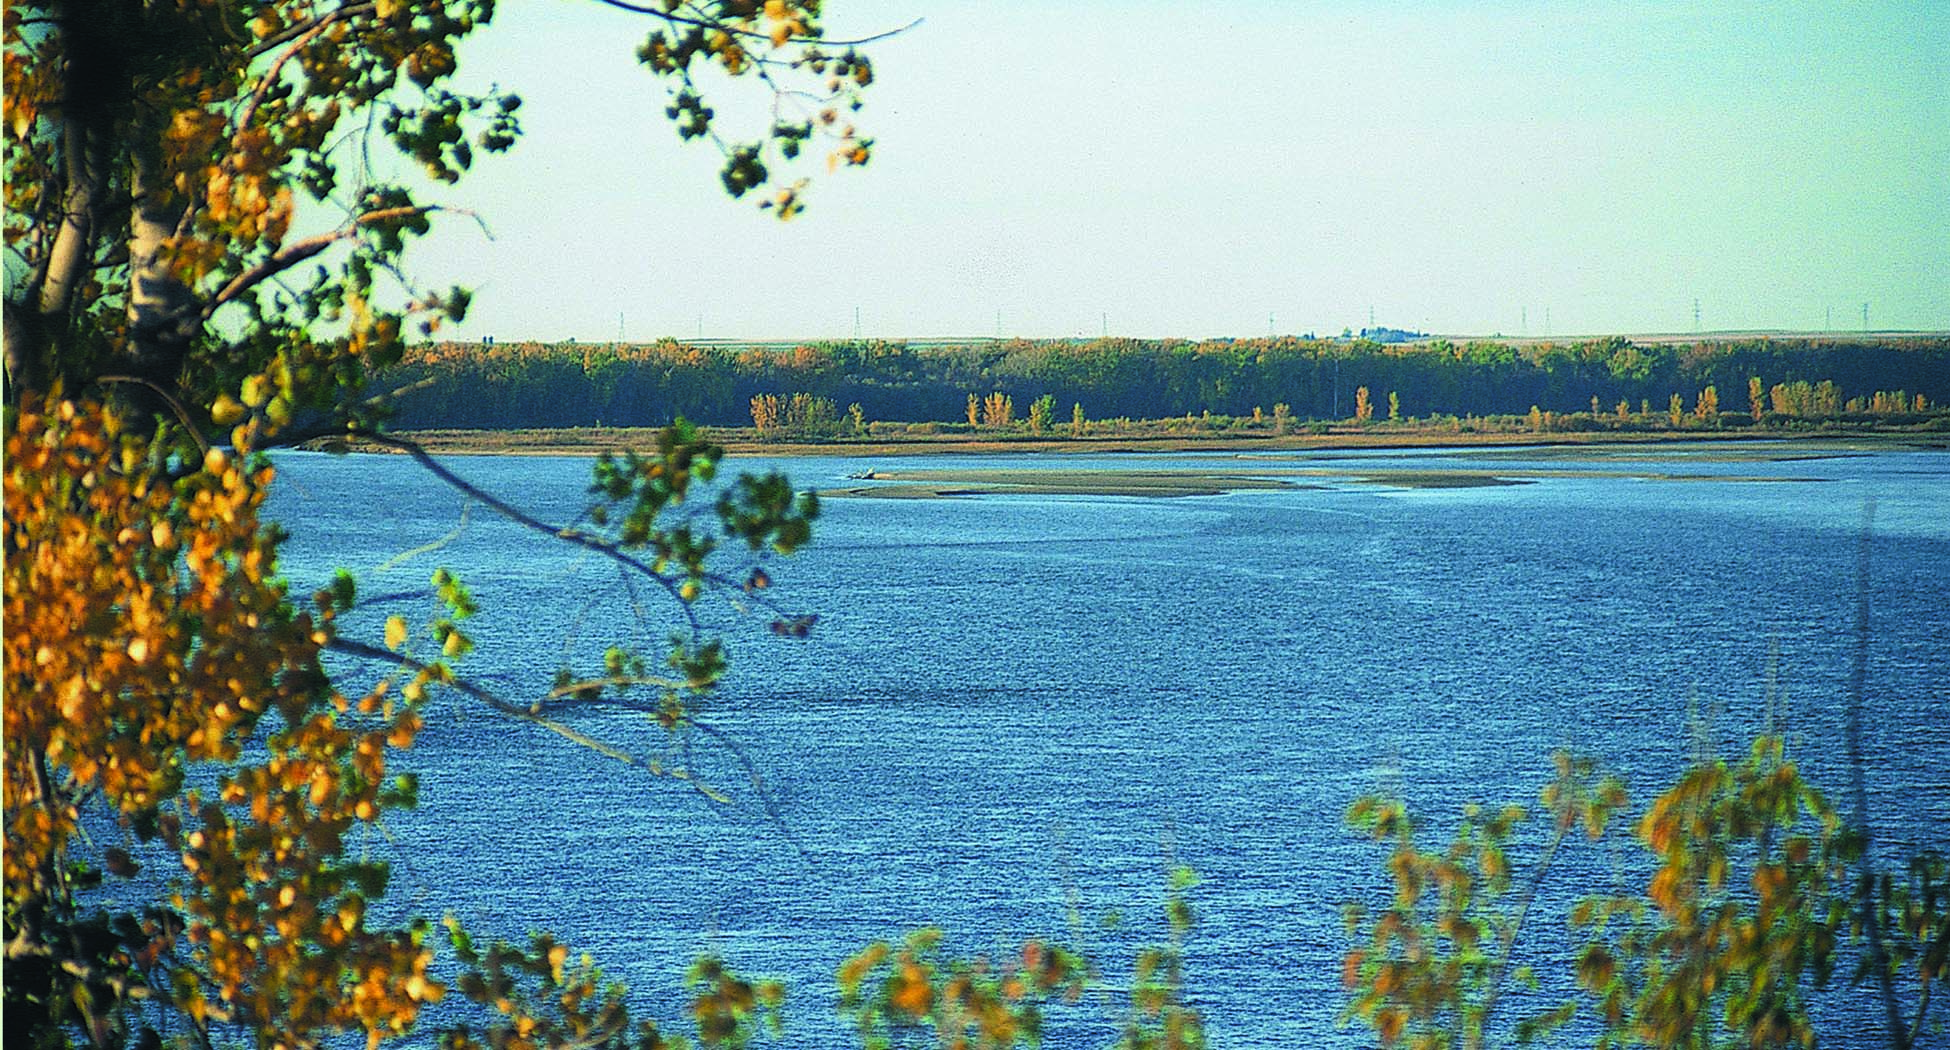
(1757,889)
(204,263)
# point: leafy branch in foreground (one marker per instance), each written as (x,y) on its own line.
(642,525)
(915,993)
(1747,907)
(207,224)
(1430,969)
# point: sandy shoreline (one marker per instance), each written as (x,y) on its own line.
(1258,462)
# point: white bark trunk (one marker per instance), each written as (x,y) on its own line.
(162,311)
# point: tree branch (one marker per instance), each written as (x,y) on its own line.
(1858,783)
(271,73)
(571,536)
(748,34)
(182,414)
(1494,991)
(582,684)
(293,254)
(72,250)
(289,33)
(512,710)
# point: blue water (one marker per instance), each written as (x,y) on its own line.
(1017,713)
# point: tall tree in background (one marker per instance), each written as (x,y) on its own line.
(199,255)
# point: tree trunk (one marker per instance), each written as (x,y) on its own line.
(164,318)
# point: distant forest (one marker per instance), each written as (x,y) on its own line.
(468,385)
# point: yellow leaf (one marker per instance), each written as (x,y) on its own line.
(227,410)
(395,632)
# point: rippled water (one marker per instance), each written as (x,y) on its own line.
(1017,712)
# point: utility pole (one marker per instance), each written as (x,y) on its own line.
(1696,314)
(1865,317)
(1523,325)
(856,324)
(998,323)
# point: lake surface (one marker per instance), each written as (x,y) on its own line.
(1016,713)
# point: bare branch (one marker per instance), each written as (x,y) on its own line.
(571,536)
(182,414)
(526,714)
(748,34)
(1501,966)
(1857,683)
(765,798)
(426,548)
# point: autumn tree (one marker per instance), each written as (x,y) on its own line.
(202,267)
(998,410)
(1363,408)
(1706,408)
(765,413)
(809,414)
(1756,398)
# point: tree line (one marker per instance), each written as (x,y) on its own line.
(509,385)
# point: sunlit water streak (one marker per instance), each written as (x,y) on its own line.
(1017,712)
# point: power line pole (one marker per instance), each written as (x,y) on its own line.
(1696,314)
(1865,317)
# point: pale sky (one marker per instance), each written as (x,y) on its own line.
(1159,169)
